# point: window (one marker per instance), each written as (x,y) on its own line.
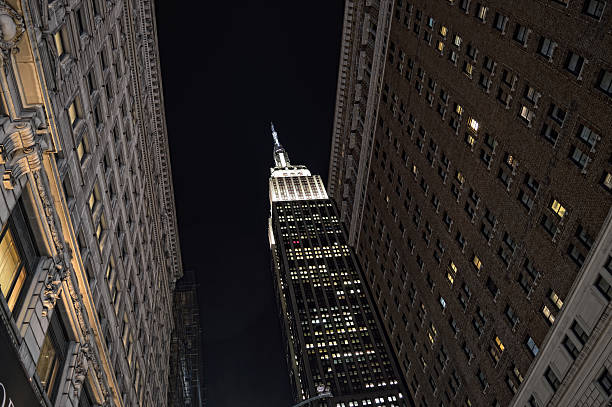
(489,64)
(521,34)
(465,5)
(53,354)
(570,347)
(547,47)
(532,95)
(527,115)
(477,263)
(549,225)
(443,31)
(550,134)
(18,256)
(61,43)
(552,379)
(604,287)
(548,315)
(482,12)
(531,345)
(581,335)
(557,114)
(605,82)
(605,381)
(82,149)
(74,112)
(500,22)
(580,158)
(588,136)
(557,208)
(574,63)
(554,297)
(511,315)
(457,40)
(81,21)
(594,8)
(473,124)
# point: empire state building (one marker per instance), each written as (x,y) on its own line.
(333,337)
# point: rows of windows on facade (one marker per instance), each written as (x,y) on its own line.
(334,341)
(487,181)
(86,261)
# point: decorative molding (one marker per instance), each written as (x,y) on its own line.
(12,28)
(81,366)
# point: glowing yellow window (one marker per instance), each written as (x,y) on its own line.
(460,177)
(477,262)
(511,160)
(457,40)
(470,140)
(443,31)
(450,278)
(554,297)
(469,68)
(72,113)
(459,109)
(92,200)
(499,344)
(473,124)
(12,272)
(59,43)
(453,267)
(548,314)
(440,46)
(558,208)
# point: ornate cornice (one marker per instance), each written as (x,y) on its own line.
(12,28)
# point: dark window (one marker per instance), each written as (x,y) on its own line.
(570,347)
(604,287)
(552,379)
(579,332)
(605,381)
(594,8)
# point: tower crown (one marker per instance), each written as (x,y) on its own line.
(281,158)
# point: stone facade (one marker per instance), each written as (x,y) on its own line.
(89,240)
(471,163)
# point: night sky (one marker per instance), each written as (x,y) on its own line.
(229,68)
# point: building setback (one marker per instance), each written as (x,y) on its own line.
(471,162)
(333,337)
(89,251)
(186,386)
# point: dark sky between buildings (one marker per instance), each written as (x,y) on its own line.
(229,68)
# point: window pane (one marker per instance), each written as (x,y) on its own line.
(9,262)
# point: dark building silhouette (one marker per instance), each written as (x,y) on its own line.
(186,381)
(471,163)
(333,337)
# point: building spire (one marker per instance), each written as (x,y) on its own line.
(275,136)
(281,158)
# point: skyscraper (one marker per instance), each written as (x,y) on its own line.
(89,250)
(471,163)
(186,386)
(332,333)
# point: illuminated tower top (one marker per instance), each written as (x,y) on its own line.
(292,182)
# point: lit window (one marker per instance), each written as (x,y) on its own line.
(73,113)
(548,314)
(477,262)
(443,31)
(482,13)
(499,344)
(473,124)
(460,177)
(457,41)
(470,140)
(12,270)
(459,109)
(558,208)
(440,46)
(453,267)
(468,69)
(526,114)
(59,43)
